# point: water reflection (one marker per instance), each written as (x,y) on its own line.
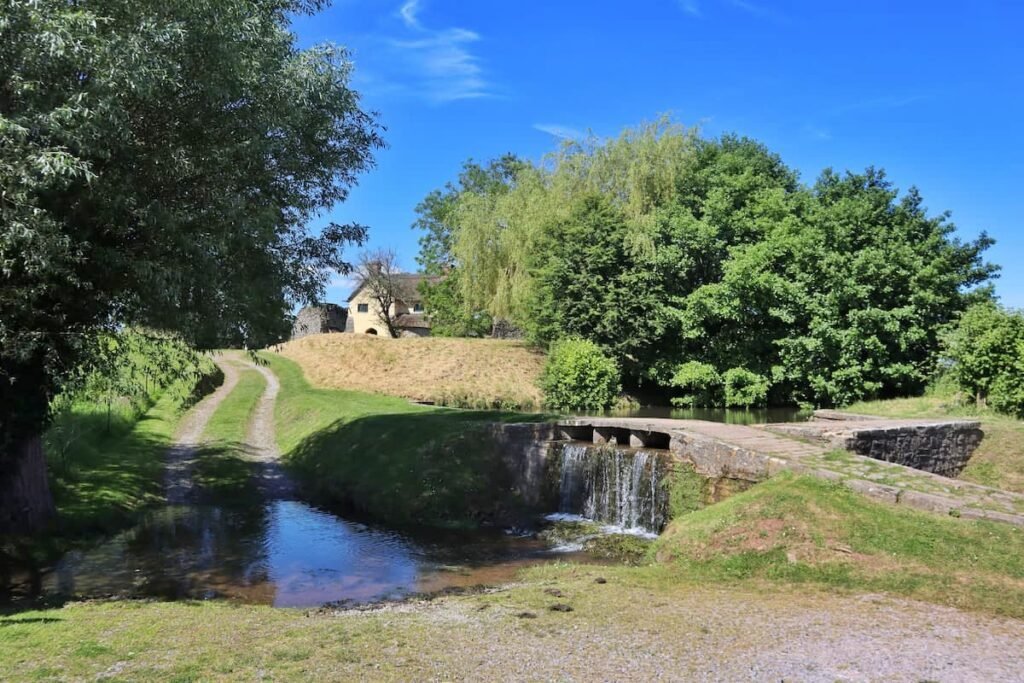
(284,553)
(729,416)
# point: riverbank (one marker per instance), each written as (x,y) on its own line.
(385,456)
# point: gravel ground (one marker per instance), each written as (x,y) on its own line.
(272,480)
(178,474)
(701,635)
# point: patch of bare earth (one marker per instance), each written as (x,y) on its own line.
(621,632)
(442,370)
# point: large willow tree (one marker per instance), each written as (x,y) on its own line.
(669,249)
(159,160)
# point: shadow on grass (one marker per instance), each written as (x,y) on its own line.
(436,468)
(28,620)
(225,473)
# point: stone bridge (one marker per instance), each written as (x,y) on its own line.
(906,462)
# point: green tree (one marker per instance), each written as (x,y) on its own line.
(159,162)
(985,351)
(450,316)
(664,247)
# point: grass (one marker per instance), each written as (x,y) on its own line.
(465,373)
(101,478)
(999,460)
(395,460)
(807,531)
(222,471)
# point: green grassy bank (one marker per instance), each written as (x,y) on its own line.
(999,460)
(107,466)
(398,461)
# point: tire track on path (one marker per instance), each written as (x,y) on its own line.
(273,482)
(181,456)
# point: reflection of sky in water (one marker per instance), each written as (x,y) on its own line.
(313,557)
(284,553)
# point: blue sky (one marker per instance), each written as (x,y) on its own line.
(931,91)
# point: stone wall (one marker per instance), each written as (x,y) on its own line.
(318,320)
(939,447)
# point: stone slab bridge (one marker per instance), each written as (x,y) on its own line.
(905,462)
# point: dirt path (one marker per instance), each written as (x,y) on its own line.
(180,457)
(260,445)
(273,481)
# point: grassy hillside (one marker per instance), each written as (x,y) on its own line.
(400,462)
(807,531)
(998,462)
(467,373)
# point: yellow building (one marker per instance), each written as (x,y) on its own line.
(408,311)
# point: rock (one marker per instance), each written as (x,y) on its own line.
(560,607)
(527,615)
(554,592)
(600,579)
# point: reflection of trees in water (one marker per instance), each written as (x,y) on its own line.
(201,552)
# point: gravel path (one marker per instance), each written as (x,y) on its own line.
(178,474)
(696,634)
(272,480)
(260,445)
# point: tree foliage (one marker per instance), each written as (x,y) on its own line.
(986,351)
(667,248)
(579,376)
(159,162)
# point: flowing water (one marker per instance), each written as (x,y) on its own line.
(283,553)
(621,487)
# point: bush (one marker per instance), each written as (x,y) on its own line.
(701,385)
(744,389)
(986,352)
(579,375)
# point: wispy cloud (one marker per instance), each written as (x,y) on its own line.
(693,8)
(757,9)
(441,60)
(690,7)
(560,131)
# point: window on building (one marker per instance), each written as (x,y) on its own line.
(417,307)
(363,308)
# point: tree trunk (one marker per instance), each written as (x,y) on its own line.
(26,504)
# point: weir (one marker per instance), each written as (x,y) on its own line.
(622,487)
(616,470)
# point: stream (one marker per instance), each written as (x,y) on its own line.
(284,553)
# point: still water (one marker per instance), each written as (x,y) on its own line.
(729,416)
(282,553)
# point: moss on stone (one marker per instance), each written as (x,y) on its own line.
(625,548)
(687,490)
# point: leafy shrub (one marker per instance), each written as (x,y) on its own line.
(1007,391)
(986,352)
(744,389)
(701,385)
(579,375)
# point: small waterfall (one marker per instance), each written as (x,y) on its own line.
(619,486)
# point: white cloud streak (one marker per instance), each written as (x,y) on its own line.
(442,59)
(559,131)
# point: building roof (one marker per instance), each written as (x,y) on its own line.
(412,282)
